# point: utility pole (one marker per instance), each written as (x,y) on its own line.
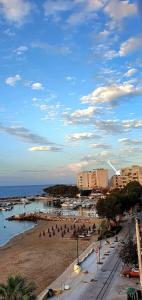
(139,250)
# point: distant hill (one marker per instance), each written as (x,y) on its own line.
(62,190)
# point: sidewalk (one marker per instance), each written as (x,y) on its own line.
(120,286)
(89,268)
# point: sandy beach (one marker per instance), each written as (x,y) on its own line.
(39,257)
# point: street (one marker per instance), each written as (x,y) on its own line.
(95,280)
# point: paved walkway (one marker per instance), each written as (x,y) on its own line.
(79,283)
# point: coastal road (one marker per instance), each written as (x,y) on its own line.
(99,289)
(97,283)
(91,280)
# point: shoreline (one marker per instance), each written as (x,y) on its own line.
(41,258)
(16,236)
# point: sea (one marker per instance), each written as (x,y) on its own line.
(21,191)
(10,229)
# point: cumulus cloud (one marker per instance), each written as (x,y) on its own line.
(25,135)
(109,126)
(15,10)
(76,167)
(111,93)
(82,136)
(86,10)
(118,10)
(132,124)
(130,72)
(21,50)
(12,80)
(81,115)
(78,11)
(45,148)
(103,155)
(71,79)
(131,45)
(117,126)
(100,146)
(52,8)
(130,142)
(37,86)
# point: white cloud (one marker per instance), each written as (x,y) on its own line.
(52,8)
(21,50)
(130,142)
(76,167)
(132,44)
(71,79)
(118,10)
(110,54)
(37,86)
(110,93)
(84,9)
(82,136)
(81,115)
(12,80)
(100,146)
(103,34)
(25,135)
(117,126)
(44,107)
(15,10)
(132,124)
(45,148)
(130,72)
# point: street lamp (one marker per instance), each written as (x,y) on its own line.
(77,250)
(99,248)
(77,267)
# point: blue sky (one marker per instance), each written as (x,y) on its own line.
(71,88)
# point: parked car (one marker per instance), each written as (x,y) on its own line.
(130,272)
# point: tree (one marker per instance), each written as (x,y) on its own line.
(104,227)
(17,288)
(133,191)
(119,201)
(128,253)
(62,190)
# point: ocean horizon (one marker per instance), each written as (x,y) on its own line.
(22,190)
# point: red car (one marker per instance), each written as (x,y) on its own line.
(130,272)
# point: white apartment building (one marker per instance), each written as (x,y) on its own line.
(92,179)
(128,174)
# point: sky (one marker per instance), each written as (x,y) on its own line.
(70,88)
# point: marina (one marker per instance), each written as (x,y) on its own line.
(35,208)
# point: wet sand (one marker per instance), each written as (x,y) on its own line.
(39,257)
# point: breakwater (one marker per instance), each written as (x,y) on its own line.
(35,216)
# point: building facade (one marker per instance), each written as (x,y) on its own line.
(84,180)
(92,179)
(129,174)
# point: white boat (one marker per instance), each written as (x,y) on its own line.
(24,201)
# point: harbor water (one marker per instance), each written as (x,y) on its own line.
(9,229)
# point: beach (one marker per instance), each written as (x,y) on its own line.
(39,257)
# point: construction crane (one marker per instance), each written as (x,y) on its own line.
(117,172)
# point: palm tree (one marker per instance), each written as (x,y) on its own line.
(17,288)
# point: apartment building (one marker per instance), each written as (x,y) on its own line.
(128,174)
(84,180)
(92,179)
(133,173)
(118,181)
